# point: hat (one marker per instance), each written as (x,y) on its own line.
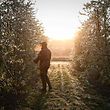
(43,43)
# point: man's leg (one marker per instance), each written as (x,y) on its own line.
(43,79)
(47,80)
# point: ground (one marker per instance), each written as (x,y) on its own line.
(68,93)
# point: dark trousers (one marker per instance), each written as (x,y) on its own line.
(45,79)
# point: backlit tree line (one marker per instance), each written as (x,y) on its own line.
(19,33)
(92,43)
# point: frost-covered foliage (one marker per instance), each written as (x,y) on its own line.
(92,42)
(19,31)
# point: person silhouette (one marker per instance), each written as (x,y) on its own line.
(44,58)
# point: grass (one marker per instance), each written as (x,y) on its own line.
(68,93)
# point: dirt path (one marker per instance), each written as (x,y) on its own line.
(68,93)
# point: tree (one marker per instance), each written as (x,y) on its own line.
(18,32)
(92,42)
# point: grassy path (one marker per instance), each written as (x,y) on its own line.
(69,93)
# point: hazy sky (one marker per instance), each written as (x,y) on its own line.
(60,17)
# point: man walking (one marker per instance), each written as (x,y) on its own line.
(44,58)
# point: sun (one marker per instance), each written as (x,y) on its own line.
(61,34)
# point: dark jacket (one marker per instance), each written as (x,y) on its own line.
(44,58)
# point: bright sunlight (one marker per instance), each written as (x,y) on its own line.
(60,18)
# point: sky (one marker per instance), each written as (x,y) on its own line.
(60,18)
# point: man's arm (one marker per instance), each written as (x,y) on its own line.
(37,59)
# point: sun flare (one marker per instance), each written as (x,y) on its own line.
(60,38)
